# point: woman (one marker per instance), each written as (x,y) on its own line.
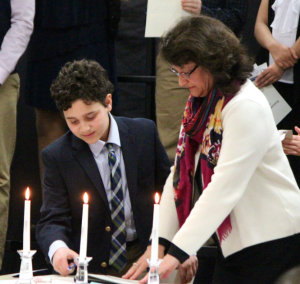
(230,151)
(277,30)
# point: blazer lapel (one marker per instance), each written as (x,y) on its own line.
(84,157)
(129,156)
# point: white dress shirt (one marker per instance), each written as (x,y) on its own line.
(100,153)
(284,30)
(17,37)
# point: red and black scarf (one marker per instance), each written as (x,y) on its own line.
(201,124)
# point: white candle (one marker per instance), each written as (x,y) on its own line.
(84,228)
(26,229)
(154,246)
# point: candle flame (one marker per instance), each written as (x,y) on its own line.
(85,198)
(156,197)
(27,193)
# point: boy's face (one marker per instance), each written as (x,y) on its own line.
(89,122)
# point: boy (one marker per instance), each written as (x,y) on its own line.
(80,162)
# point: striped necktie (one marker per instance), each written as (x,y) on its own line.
(117,257)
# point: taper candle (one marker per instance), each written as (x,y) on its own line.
(84,227)
(26,228)
(154,246)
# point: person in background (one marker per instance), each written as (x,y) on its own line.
(277,31)
(292,146)
(16,25)
(231,179)
(65,31)
(118,161)
(171,98)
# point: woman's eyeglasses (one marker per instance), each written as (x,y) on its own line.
(185,75)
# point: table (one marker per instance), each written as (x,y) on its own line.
(57,279)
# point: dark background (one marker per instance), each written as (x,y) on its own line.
(135,56)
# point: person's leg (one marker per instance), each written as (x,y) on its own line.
(9,93)
(50,125)
(170,102)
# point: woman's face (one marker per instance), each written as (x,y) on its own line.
(199,83)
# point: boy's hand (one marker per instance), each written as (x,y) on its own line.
(292,146)
(192,6)
(60,260)
(142,264)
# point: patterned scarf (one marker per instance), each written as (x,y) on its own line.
(201,124)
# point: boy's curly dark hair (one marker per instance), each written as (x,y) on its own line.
(85,79)
(211,45)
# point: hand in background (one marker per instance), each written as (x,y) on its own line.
(292,146)
(188,269)
(192,6)
(60,260)
(142,263)
(269,76)
(284,56)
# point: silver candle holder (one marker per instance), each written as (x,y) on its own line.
(26,273)
(153,276)
(82,271)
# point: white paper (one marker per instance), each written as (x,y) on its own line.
(285,134)
(112,279)
(173,278)
(15,281)
(279,106)
(162,15)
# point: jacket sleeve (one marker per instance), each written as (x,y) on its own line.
(162,163)
(233,14)
(17,37)
(55,220)
(168,220)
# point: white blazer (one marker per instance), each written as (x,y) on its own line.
(252,182)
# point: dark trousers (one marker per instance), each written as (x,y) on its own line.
(290,121)
(259,264)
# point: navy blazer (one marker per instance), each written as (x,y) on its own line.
(70,170)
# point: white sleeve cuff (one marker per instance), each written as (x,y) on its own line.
(3,75)
(54,247)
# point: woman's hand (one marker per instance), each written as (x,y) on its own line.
(168,264)
(292,146)
(284,56)
(192,6)
(142,264)
(188,269)
(269,76)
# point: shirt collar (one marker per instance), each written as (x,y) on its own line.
(113,137)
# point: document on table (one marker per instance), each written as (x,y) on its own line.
(162,15)
(173,278)
(279,106)
(110,279)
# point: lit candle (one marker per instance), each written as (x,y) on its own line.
(26,229)
(84,228)
(154,246)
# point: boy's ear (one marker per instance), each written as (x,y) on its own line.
(108,102)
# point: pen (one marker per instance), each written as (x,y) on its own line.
(71,266)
